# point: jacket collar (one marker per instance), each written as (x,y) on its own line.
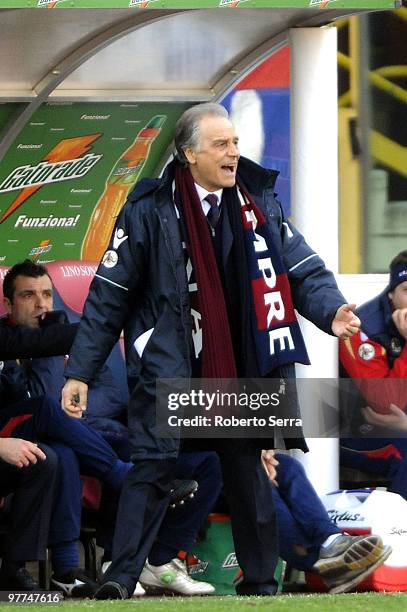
(165,186)
(256,178)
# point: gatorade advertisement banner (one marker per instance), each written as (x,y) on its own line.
(66,177)
(197,4)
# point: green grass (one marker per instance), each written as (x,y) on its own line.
(358,602)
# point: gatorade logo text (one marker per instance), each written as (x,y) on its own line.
(230,561)
(45,172)
(68,159)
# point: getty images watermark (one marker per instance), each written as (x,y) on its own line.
(207,408)
(224,401)
(276,408)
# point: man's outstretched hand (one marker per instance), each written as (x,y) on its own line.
(345,323)
(74,397)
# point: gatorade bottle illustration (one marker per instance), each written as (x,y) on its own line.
(122,178)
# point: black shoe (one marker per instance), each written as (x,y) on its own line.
(181,490)
(262,590)
(75,583)
(112,590)
(21,580)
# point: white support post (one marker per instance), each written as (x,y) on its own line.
(314,197)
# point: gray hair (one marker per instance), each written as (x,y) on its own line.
(187,127)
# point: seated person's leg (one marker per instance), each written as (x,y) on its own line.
(115,433)
(96,456)
(43,419)
(342,561)
(65,527)
(30,512)
(180,528)
(295,545)
(297,492)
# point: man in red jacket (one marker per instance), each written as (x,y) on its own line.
(376,359)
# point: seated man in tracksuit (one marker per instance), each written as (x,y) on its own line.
(79,449)
(33,420)
(28,293)
(28,470)
(373,408)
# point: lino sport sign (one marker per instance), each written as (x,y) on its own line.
(202,4)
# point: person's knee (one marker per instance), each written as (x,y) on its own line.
(50,464)
(289,466)
(68,459)
(153,471)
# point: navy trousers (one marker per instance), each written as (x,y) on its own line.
(303,523)
(143,504)
(181,525)
(30,508)
(79,448)
(66,515)
(253,514)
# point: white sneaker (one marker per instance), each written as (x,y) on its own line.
(138,591)
(172,578)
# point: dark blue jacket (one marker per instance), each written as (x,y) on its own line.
(24,342)
(141,286)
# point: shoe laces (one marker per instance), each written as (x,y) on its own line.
(180,566)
